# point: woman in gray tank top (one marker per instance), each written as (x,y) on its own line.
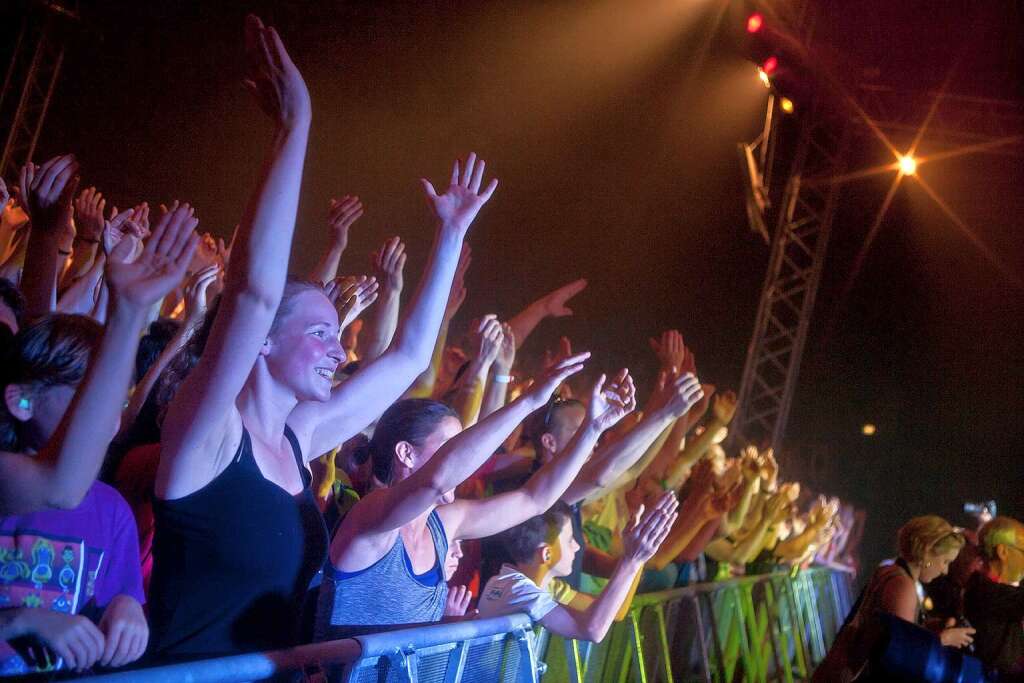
(387,555)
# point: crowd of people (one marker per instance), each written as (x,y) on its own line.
(202,456)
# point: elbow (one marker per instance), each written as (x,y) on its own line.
(595,633)
(254,294)
(65,500)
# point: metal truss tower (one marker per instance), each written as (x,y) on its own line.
(798,248)
(31,77)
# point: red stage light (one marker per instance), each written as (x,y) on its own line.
(754,22)
(770,65)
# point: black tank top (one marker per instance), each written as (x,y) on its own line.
(232,562)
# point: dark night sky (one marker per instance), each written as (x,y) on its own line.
(613,132)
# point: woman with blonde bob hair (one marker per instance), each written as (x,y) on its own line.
(927,545)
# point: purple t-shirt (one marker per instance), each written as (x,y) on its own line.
(73,561)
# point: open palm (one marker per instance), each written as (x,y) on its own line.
(612,401)
(461,202)
(162,263)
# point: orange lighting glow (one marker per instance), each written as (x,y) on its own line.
(908,165)
(868,429)
(770,65)
(767,82)
(787,105)
(754,22)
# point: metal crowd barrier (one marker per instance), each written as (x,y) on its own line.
(773,627)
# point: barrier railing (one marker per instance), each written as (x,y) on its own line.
(773,627)
(762,628)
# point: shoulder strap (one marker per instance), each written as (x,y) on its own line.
(244,447)
(437,532)
(297,452)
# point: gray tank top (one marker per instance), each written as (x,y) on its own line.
(384,596)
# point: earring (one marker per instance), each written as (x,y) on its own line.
(24,403)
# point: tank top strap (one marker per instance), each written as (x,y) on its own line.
(297,452)
(440,537)
(244,453)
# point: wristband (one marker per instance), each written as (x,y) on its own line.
(503,379)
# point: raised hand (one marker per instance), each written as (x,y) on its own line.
(389,264)
(272,77)
(126,631)
(140,216)
(47,191)
(196,292)
(611,401)
(340,217)
(679,394)
(507,353)
(554,303)
(646,531)
(670,350)
(89,208)
(769,468)
(458,601)
(564,351)
(118,229)
(487,340)
(724,407)
(162,263)
(545,385)
(750,464)
(463,199)
(352,295)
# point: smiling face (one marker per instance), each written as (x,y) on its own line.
(303,351)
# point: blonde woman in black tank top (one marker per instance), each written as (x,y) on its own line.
(260,402)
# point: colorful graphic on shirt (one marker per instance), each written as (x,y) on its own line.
(43,571)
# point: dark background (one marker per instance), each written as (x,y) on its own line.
(612,126)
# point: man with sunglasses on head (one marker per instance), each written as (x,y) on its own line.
(994,600)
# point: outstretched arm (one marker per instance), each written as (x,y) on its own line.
(425,385)
(198,419)
(62,472)
(195,309)
(551,305)
(723,409)
(359,401)
(609,403)
(46,193)
(641,540)
(487,341)
(611,461)
(382,321)
(340,217)
(387,509)
(501,373)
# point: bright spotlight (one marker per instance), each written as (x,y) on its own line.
(908,165)
(754,22)
(770,65)
(767,82)
(868,429)
(787,105)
